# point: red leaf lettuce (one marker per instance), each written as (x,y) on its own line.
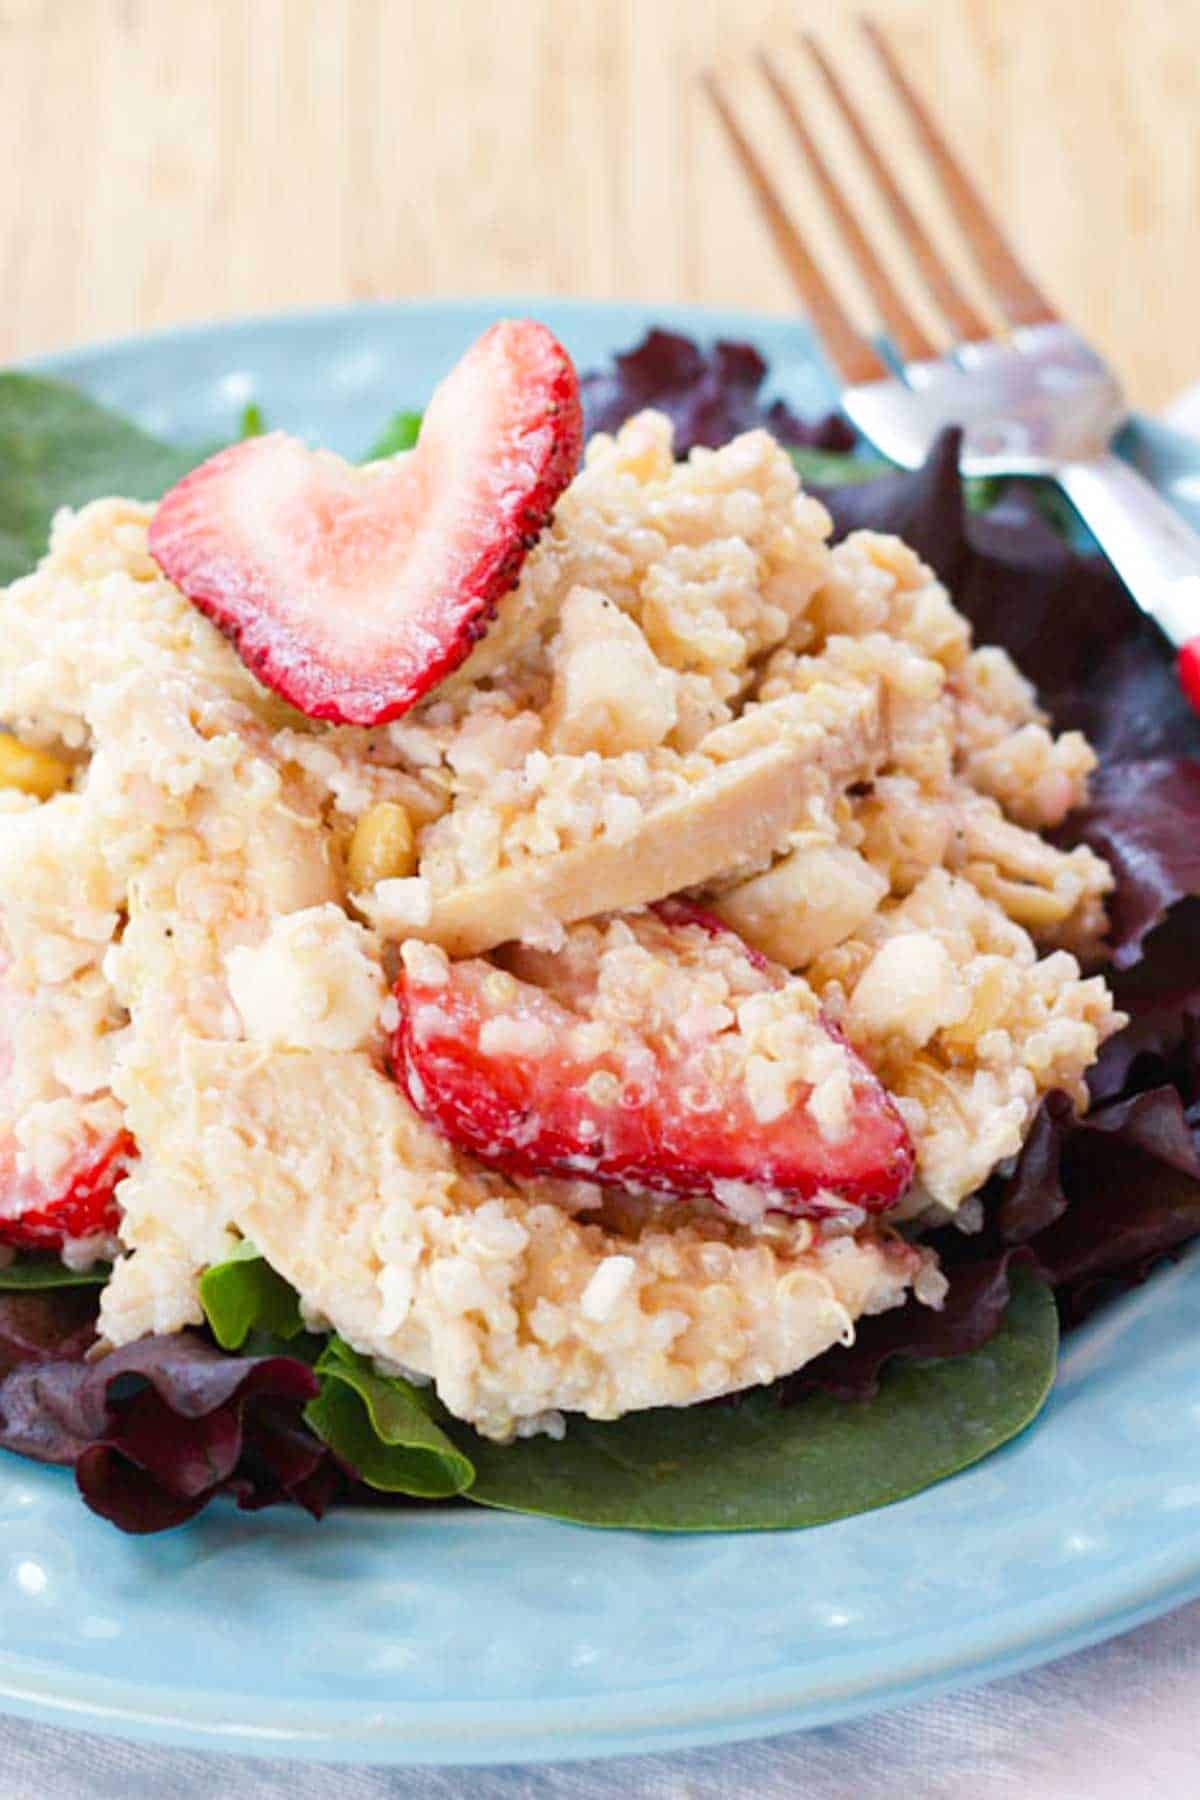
(155,1430)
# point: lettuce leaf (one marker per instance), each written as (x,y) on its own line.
(836,468)
(709,395)
(378,1426)
(243,1294)
(50,1325)
(1161,994)
(1100,1201)
(33,1274)
(162,1427)
(155,1430)
(974,1309)
(1143,818)
(60,448)
(756,1464)
(400,433)
(381,1427)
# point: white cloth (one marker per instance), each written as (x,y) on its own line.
(1117,1722)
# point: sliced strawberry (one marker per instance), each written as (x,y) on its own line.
(534,1086)
(80,1203)
(40,1215)
(674,911)
(353,592)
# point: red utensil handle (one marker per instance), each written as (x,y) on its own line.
(1188,667)
(1151,546)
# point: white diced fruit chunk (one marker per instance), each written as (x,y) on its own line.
(910,989)
(610,691)
(312,983)
(813,898)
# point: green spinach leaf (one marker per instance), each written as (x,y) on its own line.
(253,420)
(243,1294)
(400,433)
(381,1426)
(36,1274)
(835,468)
(755,1465)
(59,448)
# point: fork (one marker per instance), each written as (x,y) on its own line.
(1036,399)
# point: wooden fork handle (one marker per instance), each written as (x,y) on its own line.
(1153,549)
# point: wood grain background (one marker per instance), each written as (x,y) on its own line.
(165,160)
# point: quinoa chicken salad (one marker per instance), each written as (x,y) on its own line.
(616,959)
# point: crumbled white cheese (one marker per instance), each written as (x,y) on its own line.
(311,984)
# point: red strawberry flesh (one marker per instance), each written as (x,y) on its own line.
(501,1067)
(351,593)
(37,1213)
(80,1203)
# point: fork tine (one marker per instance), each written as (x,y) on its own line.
(848,350)
(902,328)
(959,314)
(1020,298)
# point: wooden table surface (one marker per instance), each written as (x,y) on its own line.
(166,160)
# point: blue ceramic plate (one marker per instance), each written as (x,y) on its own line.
(472,1636)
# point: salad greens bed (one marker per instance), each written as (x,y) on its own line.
(260,1408)
(761,1460)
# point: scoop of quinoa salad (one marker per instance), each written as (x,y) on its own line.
(589,935)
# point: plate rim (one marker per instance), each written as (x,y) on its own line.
(477,1733)
(503,305)
(682,1713)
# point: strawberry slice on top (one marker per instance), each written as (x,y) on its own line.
(351,592)
(655,1051)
